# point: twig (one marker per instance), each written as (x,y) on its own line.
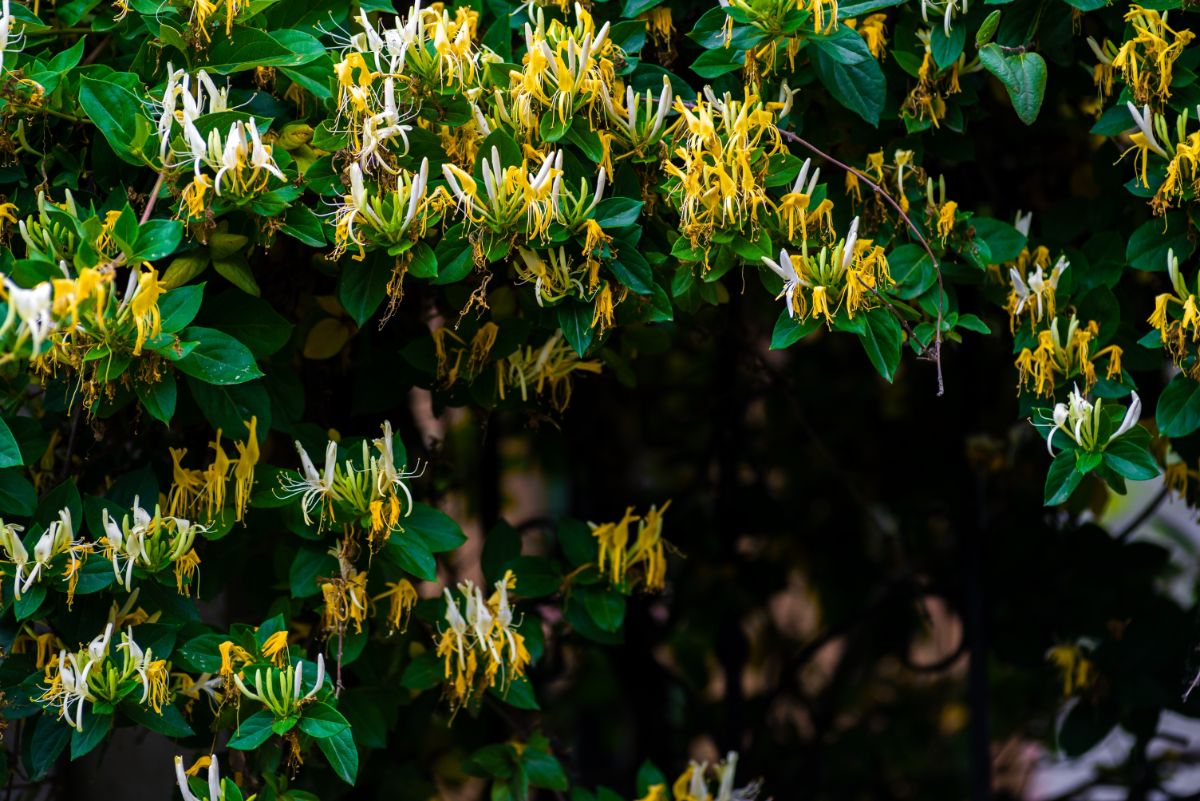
(96,51)
(153,198)
(337,690)
(877,189)
(1144,515)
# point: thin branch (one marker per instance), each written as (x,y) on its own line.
(877,189)
(96,51)
(1144,515)
(146,212)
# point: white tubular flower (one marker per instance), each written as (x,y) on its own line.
(799,187)
(32,307)
(260,154)
(1144,120)
(182,780)
(10,40)
(851,242)
(791,280)
(1023,221)
(1079,420)
(313,487)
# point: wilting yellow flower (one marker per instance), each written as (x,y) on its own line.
(873,30)
(275,648)
(547,371)
(1077,670)
(1061,356)
(402,599)
(927,100)
(1146,61)
(617,555)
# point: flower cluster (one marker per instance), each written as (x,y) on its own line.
(543,371)
(375,489)
(58,540)
(197,493)
(152,543)
(846,274)
(717,175)
(1064,355)
(105,674)
(1178,329)
(618,555)
(480,647)
(1146,61)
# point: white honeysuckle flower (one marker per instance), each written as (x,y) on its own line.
(1079,420)
(800,187)
(32,307)
(313,487)
(1144,120)
(791,280)
(1023,221)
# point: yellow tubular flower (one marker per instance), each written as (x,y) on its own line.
(402,599)
(613,538)
(275,648)
(243,470)
(1146,61)
(145,307)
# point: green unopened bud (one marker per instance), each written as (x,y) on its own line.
(988,29)
(294,135)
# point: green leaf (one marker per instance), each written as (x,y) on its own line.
(1062,478)
(860,87)
(253,731)
(322,720)
(95,729)
(10,452)
(1004,242)
(536,575)
(1130,456)
(788,330)
(17,495)
(617,212)
(575,320)
(179,307)
(1178,412)
(170,723)
(158,239)
(248,48)
(840,46)
(577,542)
(881,338)
(519,694)
(342,755)
(605,606)
(947,49)
(159,398)
(362,286)
(544,770)
(434,528)
(412,557)
(719,61)
(1023,75)
(1150,242)
(250,320)
(302,224)
(218,358)
(423,673)
(236,270)
(117,112)
(50,738)
(424,262)
(501,545)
